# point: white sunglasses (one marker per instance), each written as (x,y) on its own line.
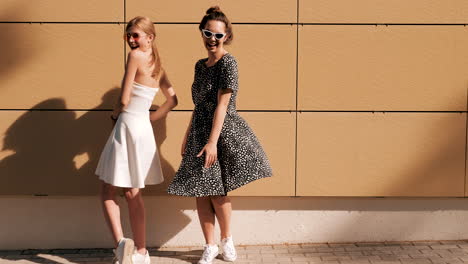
(208,34)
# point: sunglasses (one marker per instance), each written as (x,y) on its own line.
(135,36)
(208,34)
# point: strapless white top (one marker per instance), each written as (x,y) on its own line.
(141,99)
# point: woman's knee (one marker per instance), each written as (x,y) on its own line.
(132,194)
(219,200)
(107,190)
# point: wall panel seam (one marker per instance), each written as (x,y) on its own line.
(297,91)
(466,144)
(250,110)
(242,23)
(382,24)
(61,22)
(123,33)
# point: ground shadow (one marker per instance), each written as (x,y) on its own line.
(56,256)
(191,256)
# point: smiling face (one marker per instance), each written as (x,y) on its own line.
(212,44)
(136,38)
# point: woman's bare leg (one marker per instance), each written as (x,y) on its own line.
(206,215)
(136,208)
(223,209)
(111,211)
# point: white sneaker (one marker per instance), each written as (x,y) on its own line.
(209,254)
(138,258)
(124,251)
(229,252)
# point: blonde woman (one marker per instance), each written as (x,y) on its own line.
(130,159)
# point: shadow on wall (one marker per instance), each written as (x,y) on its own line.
(44,145)
(47,147)
(56,152)
(93,128)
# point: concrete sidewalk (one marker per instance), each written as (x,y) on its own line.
(425,252)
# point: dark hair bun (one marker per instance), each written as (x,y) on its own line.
(215,13)
(213,9)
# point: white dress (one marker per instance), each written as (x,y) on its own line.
(130,158)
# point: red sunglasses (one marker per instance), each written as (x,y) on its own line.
(135,36)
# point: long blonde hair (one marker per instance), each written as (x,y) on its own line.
(145,24)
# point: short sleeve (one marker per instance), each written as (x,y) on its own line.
(198,64)
(229,75)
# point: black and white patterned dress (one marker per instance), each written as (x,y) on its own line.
(241,158)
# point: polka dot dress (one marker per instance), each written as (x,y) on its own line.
(241,158)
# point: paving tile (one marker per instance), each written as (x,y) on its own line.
(286,246)
(299,250)
(360,248)
(415,261)
(317,245)
(340,258)
(388,247)
(342,245)
(454,242)
(290,255)
(275,259)
(446,260)
(385,262)
(318,254)
(254,256)
(261,247)
(407,252)
(424,255)
(413,247)
(453,246)
(398,243)
(426,243)
(353,253)
(389,258)
(370,244)
(274,250)
(366,258)
(354,262)
(299,259)
(326,250)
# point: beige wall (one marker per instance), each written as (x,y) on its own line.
(173,221)
(342,106)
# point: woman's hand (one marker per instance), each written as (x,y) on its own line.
(211,154)
(114,120)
